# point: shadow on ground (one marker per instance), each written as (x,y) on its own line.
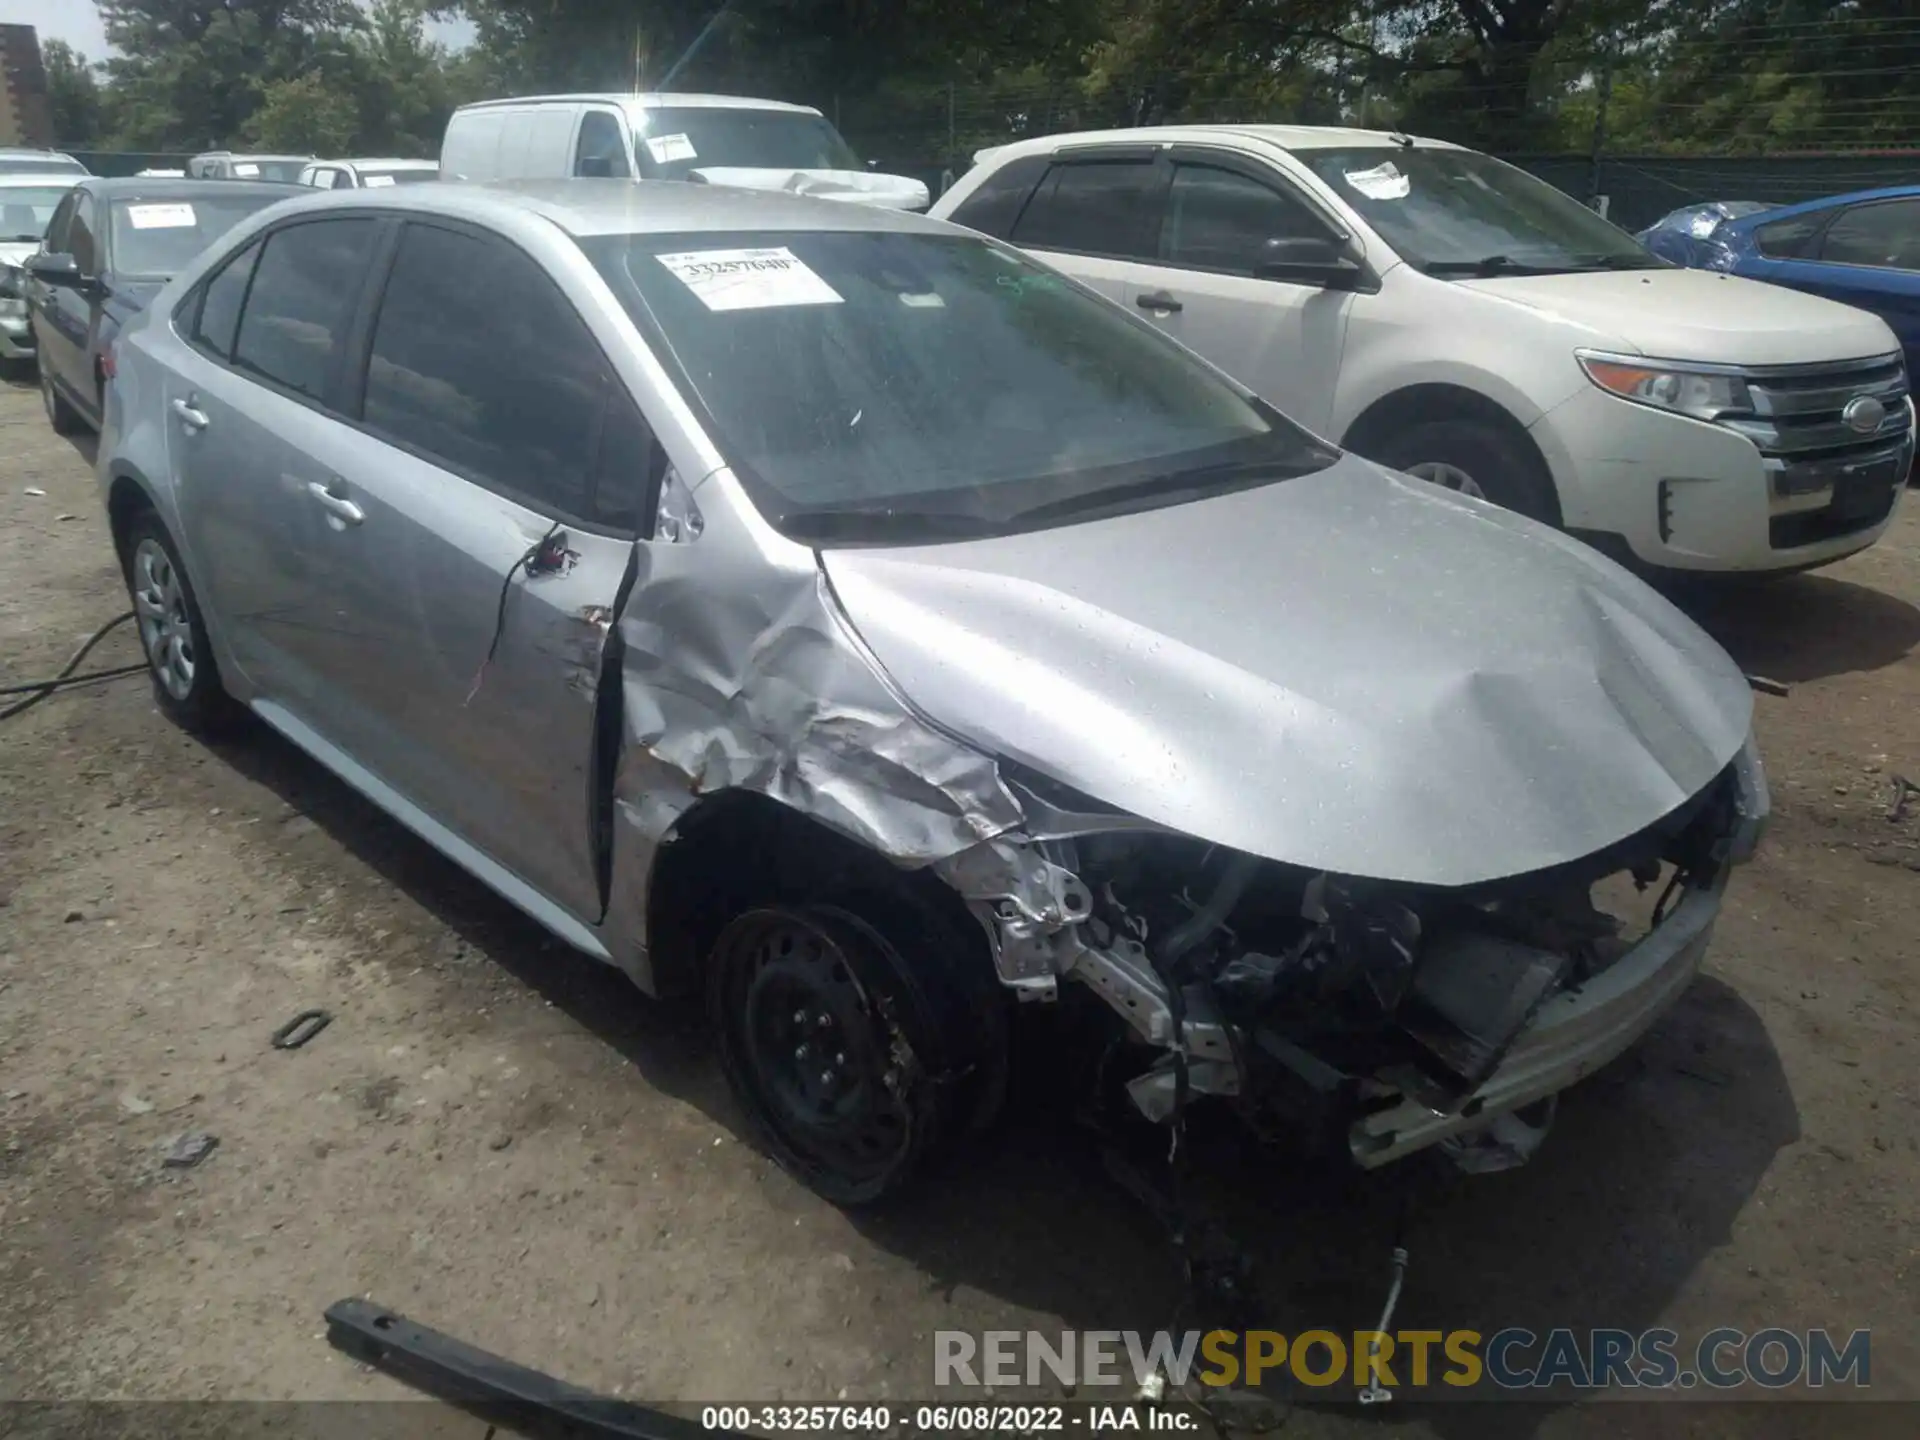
(1799,628)
(1648,1166)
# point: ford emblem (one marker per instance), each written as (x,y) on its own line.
(1863,414)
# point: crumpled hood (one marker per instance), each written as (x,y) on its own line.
(1699,315)
(1351,671)
(891,192)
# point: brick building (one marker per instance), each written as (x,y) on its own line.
(26,116)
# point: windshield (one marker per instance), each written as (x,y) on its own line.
(254,168)
(374,178)
(670,142)
(893,388)
(155,238)
(1456,211)
(25,210)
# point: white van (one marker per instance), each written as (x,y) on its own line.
(1446,314)
(710,139)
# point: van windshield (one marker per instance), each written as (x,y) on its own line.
(674,140)
(1458,212)
(898,387)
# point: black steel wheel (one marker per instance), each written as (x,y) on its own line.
(847,1062)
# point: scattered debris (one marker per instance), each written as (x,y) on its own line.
(67,516)
(34,490)
(189,1150)
(134,1105)
(74,916)
(1903,790)
(301,1028)
(500,1142)
(1766,686)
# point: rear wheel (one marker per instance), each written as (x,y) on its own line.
(1473,458)
(186,683)
(852,1047)
(61,415)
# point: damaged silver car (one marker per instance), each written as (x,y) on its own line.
(842,613)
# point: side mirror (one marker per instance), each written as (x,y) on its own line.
(60,271)
(1309,261)
(873,164)
(596,167)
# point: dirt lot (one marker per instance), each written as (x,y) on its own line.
(499,1138)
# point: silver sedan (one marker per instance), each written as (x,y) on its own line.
(841,612)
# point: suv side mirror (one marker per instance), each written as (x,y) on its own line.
(60,271)
(1309,260)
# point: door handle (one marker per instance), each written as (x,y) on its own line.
(338,506)
(1158,300)
(192,418)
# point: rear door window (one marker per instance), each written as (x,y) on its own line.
(1884,235)
(1096,207)
(304,291)
(479,363)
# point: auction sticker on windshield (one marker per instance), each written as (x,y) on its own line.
(669,148)
(1382,182)
(373,181)
(749,279)
(161,217)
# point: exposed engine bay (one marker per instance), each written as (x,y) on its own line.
(1354,1015)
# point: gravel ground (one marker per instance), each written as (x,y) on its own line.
(499,1138)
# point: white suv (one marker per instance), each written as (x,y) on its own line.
(1447,314)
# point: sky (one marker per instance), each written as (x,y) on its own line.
(78,23)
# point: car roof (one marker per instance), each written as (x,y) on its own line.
(384,162)
(1286,137)
(26,151)
(40,178)
(649,101)
(624,207)
(168,187)
(1825,202)
(247,155)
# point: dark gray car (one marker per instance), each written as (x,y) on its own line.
(844,614)
(110,246)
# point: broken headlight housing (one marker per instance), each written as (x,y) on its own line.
(1701,392)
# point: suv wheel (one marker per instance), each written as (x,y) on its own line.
(173,635)
(1475,459)
(62,416)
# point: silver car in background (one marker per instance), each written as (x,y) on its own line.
(841,612)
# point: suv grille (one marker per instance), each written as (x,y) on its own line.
(1827,477)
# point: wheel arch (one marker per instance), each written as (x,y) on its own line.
(129,495)
(1441,400)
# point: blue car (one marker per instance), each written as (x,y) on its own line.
(1680,235)
(1861,249)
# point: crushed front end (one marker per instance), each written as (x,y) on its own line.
(1362,1017)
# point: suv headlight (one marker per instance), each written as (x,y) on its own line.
(1703,392)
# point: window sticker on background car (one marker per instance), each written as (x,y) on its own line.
(749,279)
(161,217)
(372,180)
(669,148)
(1382,182)
(246,167)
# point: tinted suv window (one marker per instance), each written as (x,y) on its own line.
(1221,220)
(304,291)
(1886,235)
(1788,239)
(996,205)
(480,362)
(220,303)
(1099,208)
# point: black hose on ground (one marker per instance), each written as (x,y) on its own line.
(38,690)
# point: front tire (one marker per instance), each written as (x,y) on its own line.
(855,1064)
(173,634)
(1475,459)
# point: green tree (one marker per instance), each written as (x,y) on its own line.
(304,115)
(73,93)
